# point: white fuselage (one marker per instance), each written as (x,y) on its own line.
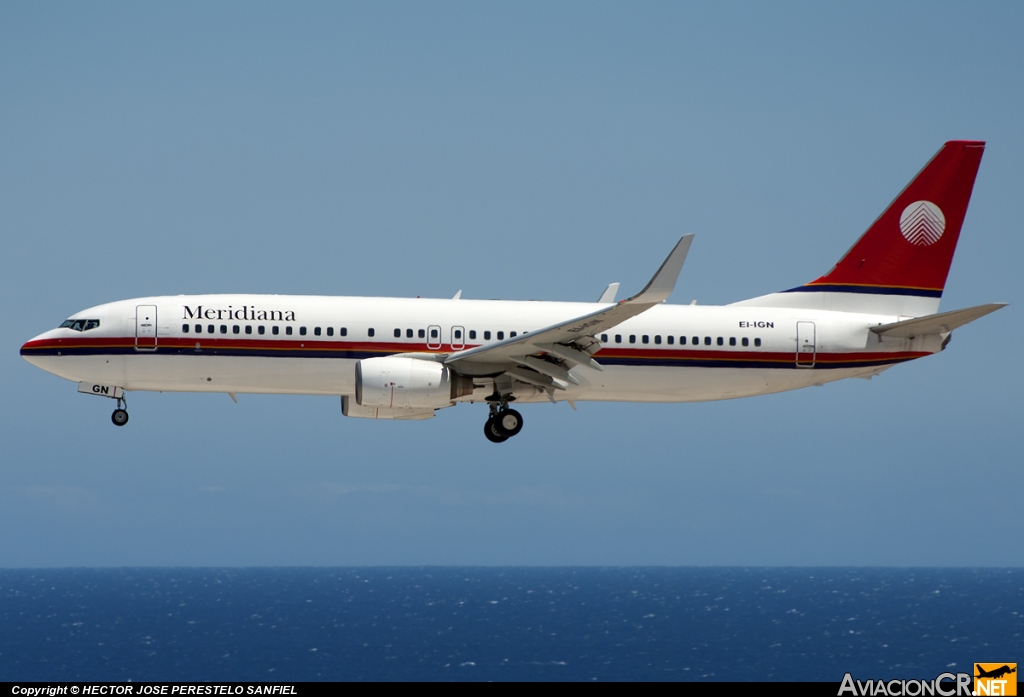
(310,344)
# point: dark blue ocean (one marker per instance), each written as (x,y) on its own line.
(446,623)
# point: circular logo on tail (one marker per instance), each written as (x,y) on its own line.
(922,223)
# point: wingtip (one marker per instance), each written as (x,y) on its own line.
(664,280)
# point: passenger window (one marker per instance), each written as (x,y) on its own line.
(732,341)
(209,329)
(398,333)
(487,335)
(501,335)
(370,332)
(511,334)
(433,333)
(302,331)
(757,342)
(184,328)
(199,329)
(646,339)
(408,333)
(421,333)
(458,333)
(618,338)
(343,331)
(223,329)
(682,341)
(275,330)
(262,329)
(721,341)
(657,338)
(604,338)
(707,341)
(472,333)
(670,339)
(248,329)
(695,341)
(746,341)
(330,331)
(632,338)
(288,330)
(316,331)
(235,329)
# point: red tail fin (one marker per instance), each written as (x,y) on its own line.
(909,249)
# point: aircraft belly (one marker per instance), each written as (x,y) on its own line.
(107,370)
(248,374)
(691,384)
(336,376)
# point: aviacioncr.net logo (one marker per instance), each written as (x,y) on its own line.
(944,685)
(995,679)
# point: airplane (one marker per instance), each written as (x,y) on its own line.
(406,358)
(996,673)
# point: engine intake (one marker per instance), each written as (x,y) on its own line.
(394,382)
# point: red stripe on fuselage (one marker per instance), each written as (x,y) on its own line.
(316,346)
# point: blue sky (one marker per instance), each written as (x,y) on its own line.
(527,150)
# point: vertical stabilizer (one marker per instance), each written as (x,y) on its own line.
(899,266)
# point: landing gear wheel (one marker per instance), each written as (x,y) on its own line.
(491,431)
(508,422)
(119,417)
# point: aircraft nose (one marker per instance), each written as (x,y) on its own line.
(34,347)
(26,348)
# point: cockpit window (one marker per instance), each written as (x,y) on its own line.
(80,325)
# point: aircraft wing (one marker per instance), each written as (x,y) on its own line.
(570,340)
(936,324)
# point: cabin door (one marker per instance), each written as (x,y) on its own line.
(145,328)
(806,347)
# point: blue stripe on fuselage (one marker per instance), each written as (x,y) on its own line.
(868,290)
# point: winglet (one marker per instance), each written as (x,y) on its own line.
(608,296)
(660,287)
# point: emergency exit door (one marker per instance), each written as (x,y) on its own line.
(145,328)
(458,338)
(433,337)
(806,345)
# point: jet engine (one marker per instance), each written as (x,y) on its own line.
(395,382)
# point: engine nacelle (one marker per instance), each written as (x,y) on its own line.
(395,382)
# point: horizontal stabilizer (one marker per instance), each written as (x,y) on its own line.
(936,324)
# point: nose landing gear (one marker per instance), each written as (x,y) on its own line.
(120,415)
(503,423)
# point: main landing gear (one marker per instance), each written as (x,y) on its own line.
(503,423)
(120,415)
